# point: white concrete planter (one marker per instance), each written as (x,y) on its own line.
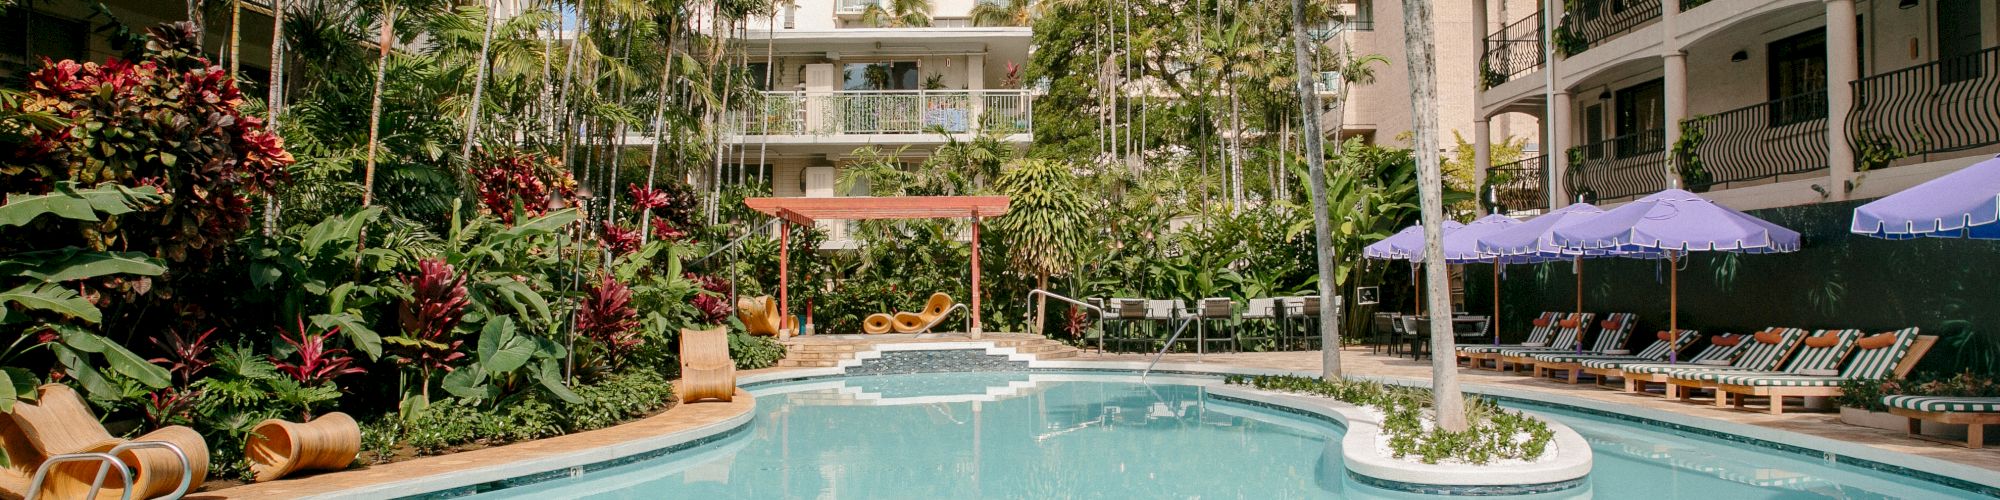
(1562,467)
(1892,422)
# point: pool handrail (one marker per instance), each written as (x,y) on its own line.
(1045,293)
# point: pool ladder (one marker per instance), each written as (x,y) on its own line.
(107,462)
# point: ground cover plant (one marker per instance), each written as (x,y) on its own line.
(1492,434)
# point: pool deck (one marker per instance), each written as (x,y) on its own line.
(1356,361)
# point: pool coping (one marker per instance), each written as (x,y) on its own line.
(1963,477)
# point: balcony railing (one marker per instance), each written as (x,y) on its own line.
(1590,22)
(886,112)
(853,7)
(1513,51)
(1619,167)
(1920,112)
(1517,186)
(1760,141)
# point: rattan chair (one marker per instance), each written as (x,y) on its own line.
(706,369)
(277,448)
(760,315)
(59,422)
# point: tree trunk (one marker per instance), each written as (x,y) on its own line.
(200,26)
(1235,149)
(274,97)
(478,92)
(375,105)
(235,38)
(1042,304)
(1329,330)
(1423,92)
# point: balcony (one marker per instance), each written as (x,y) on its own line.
(1940,110)
(1518,186)
(1588,23)
(886,112)
(1762,141)
(1620,167)
(1512,52)
(854,7)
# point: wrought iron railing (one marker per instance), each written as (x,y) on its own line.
(1760,141)
(1588,23)
(886,112)
(1513,51)
(1619,167)
(1517,186)
(1922,111)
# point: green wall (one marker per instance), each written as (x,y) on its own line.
(1947,287)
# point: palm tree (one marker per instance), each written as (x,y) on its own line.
(478,92)
(1316,166)
(1004,13)
(981,157)
(1417,43)
(898,14)
(1044,221)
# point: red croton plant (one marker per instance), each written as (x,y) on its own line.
(430,319)
(607,318)
(538,184)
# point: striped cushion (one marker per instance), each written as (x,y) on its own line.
(1769,380)
(1539,335)
(1712,353)
(1568,357)
(1878,363)
(1613,338)
(1566,338)
(1656,351)
(1943,403)
(1759,356)
(1828,358)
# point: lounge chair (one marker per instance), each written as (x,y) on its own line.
(1545,325)
(878,323)
(760,315)
(1572,363)
(1763,351)
(1723,348)
(277,448)
(1611,335)
(1975,413)
(706,369)
(1875,357)
(935,310)
(1569,338)
(1819,354)
(59,423)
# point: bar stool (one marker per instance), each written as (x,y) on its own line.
(1310,310)
(1258,309)
(1214,311)
(1162,312)
(1292,313)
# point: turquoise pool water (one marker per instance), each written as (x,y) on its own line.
(1019,435)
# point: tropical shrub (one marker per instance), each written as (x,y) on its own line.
(430,320)
(607,318)
(513,182)
(752,352)
(1491,433)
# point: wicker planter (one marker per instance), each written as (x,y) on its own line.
(1891,422)
(277,448)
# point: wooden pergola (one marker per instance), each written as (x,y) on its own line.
(805,211)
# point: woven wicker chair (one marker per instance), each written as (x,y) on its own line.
(277,448)
(60,423)
(935,310)
(706,369)
(760,315)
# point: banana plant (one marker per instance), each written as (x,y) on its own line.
(321,273)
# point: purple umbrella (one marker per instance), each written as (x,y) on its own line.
(1407,245)
(1962,204)
(1672,223)
(1534,241)
(1462,247)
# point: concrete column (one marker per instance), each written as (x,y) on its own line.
(1676,97)
(1842,68)
(975,80)
(1558,155)
(1482,153)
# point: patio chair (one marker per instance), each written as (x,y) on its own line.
(1973,412)
(1215,314)
(1122,314)
(276,448)
(935,310)
(707,372)
(1306,309)
(1162,313)
(1762,352)
(1569,337)
(760,315)
(60,423)
(1874,357)
(1382,331)
(1819,355)
(1257,310)
(1572,363)
(1544,326)
(1721,351)
(1611,336)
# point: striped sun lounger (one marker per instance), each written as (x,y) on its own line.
(1975,413)
(1545,325)
(1819,354)
(1574,363)
(1876,357)
(1761,352)
(1569,337)
(1611,335)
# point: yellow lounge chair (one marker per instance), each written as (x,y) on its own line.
(935,310)
(59,422)
(878,323)
(760,315)
(277,448)
(706,369)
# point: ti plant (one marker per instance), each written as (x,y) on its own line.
(430,321)
(318,365)
(607,318)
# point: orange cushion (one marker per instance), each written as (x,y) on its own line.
(1609,324)
(1823,340)
(1727,340)
(1877,341)
(1568,323)
(1769,337)
(1541,323)
(1663,336)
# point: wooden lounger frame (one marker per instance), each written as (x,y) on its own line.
(1725,394)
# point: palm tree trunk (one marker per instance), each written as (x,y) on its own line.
(375,105)
(235,38)
(478,93)
(1329,331)
(1235,149)
(1417,44)
(274,97)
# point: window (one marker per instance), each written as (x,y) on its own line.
(36,35)
(1593,130)
(760,76)
(1363,18)
(1798,78)
(1641,111)
(1958,38)
(887,75)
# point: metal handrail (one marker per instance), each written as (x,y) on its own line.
(738,241)
(42,473)
(1030,307)
(1170,345)
(187,467)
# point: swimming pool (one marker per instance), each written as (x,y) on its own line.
(1052,435)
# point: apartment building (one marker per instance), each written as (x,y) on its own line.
(78,30)
(1759,103)
(1380,112)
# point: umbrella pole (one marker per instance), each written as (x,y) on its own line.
(1496,300)
(1417,284)
(1673,305)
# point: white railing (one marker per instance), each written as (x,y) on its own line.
(853,6)
(886,112)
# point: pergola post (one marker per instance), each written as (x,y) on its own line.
(784,277)
(976,329)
